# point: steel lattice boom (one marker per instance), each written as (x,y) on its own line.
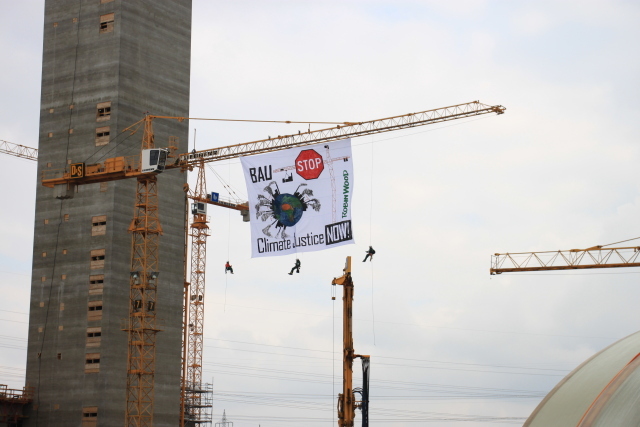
(348,130)
(573,259)
(18,150)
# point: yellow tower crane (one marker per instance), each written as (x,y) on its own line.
(191,401)
(193,321)
(146,228)
(193,310)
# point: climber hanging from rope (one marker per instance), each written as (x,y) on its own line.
(370,253)
(228,267)
(295,267)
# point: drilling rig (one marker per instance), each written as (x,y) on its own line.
(347,402)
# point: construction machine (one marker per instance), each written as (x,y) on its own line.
(347,401)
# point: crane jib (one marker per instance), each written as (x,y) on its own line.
(117,168)
(572,259)
(351,130)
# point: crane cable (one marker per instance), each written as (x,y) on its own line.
(226,185)
(622,241)
(373,317)
(199,118)
(114,147)
(226,276)
(258,121)
(60,214)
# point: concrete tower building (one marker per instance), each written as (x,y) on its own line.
(105,64)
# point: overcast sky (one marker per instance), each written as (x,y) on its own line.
(447,342)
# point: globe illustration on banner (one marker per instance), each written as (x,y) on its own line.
(283,209)
(287,209)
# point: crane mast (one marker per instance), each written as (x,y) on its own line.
(142,327)
(572,259)
(191,401)
(146,230)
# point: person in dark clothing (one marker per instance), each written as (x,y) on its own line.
(295,267)
(370,253)
(227,267)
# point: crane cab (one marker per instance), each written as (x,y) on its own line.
(198,208)
(154,159)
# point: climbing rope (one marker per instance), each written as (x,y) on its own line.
(373,316)
(226,276)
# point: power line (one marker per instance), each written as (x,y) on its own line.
(422,326)
(16,312)
(13,321)
(393,358)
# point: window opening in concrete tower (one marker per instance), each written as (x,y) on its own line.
(106,23)
(98,225)
(90,416)
(94,335)
(92,363)
(94,311)
(96,283)
(97,258)
(103,111)
(102,135)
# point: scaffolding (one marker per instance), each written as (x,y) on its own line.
(199,406)
(11,404)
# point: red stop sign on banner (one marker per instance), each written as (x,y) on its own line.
(309,164)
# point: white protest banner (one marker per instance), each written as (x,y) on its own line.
(300,199)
